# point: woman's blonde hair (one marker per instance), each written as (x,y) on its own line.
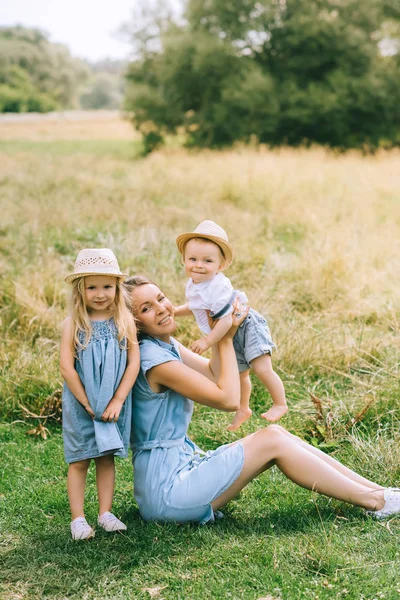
(123,318)
(130,284)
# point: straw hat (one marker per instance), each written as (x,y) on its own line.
(95,261)
(209,231)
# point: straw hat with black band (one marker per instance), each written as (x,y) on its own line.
(208,230)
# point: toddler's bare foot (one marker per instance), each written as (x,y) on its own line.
(275,412)
(240,417)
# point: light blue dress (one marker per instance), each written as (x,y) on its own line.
(100,366)
(173,479)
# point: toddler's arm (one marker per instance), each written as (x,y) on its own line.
(182,311)
(222,326)
(67,366)
(128,379)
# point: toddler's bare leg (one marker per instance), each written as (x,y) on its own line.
(76,482)
(244,411)
(105,479)
(262,367)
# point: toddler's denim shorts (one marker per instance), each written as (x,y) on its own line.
(252,339)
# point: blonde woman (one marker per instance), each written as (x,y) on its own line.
(174,479)
(99,361)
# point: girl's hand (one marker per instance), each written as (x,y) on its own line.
(113,410)
(88,409)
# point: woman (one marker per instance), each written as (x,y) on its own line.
(174,479)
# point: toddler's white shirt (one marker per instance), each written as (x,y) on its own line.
(212,295)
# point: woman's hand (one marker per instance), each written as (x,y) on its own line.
(238,315)
(240,312)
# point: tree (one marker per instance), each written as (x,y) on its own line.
(103,91)
(36,75)
(287,71)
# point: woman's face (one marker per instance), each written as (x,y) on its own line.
(154,311)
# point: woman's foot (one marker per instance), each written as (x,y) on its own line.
(275,412)
(391,506)
(109,522)
(81,530)
(240,417)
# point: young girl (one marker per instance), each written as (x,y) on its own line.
(206,252)
(99,361)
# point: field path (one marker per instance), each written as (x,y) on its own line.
(66,125)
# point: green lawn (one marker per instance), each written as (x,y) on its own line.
(275,540)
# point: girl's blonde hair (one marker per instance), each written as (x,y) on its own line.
(123,319)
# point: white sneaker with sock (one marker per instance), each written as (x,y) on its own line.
(109,522)
(81,530)
(391,506)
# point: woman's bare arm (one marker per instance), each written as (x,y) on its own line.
(223,394)
(202,365)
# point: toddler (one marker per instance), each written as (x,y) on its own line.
(206,252)
(99,361)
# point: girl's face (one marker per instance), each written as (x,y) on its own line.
(99,294)
(154,311)
(202,260)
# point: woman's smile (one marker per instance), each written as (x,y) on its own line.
(154,311)
(165,320)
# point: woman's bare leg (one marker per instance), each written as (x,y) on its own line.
(271,446)
(334,463)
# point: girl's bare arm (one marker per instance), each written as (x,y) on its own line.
(132,369)
(67,366)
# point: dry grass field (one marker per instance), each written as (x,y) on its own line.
(317,249)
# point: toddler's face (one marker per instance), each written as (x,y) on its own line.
(202,260)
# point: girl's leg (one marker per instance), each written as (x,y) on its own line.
(76,482)
(244,411)
(262,367)
(271,446)
(105,479)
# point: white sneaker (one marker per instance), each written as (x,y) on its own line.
(109,522)
(391,506)
(81,530)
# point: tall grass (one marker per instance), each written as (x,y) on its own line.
(316,239)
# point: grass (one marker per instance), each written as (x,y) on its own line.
(316,248)
(124,149)
(275,540)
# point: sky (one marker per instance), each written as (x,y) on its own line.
(87,27)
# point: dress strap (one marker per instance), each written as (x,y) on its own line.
(150,444)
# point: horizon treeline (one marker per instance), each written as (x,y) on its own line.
(37,75)
(275,71)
